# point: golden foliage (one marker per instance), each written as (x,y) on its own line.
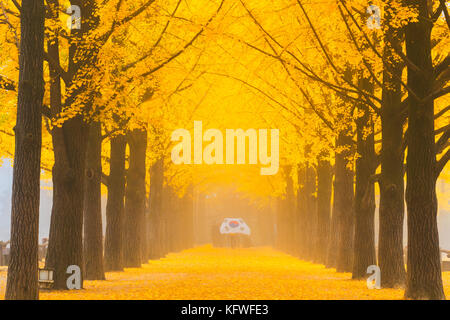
(221,273)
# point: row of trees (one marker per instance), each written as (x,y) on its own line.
(350,102)
(90,100)
(371,94)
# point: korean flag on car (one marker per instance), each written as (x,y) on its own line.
(233,226)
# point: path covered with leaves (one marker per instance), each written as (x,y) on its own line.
(217,273)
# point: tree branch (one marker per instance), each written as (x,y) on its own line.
(58,68)
(46,111)
(385,64)
(145,56)
(105,179)
(104,38)
(442,66)
(440,165)
(17,5)
(311,73)
(7,84)
(442,112)
(444,9)
(186,46)
(13,29)
(443,142)
(442,129)
(436,94)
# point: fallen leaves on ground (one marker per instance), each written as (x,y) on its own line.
(221,273)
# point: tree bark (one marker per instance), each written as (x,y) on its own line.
(69,145)
(289,208)
(286,226)
(280,225)
(301,209)
(66,227)
(333,238)
(392,200)
(93,231)
(344,203)
(135,194)
(22,281)
(424,277)
(187,215)
(155,203)
(324,180)
(364,243)
(311,213)
(175,221)
(167,226)
(114,240)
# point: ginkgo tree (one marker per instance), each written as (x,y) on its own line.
(350,99)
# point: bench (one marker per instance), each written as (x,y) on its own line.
(445,264)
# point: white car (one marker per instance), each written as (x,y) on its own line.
(234,226)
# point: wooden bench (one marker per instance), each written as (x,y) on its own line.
(445,263)
(4,259)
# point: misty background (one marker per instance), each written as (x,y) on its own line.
(46,207)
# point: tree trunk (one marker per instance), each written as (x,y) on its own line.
(301,208)
(392,201)
(93,231)
(324,180)
(65,246)
(333,238)
(66,227)
(187,214)
(311,213)
(364,243)
(289,208)
(167,212)
(135,199)
(114,241)
(280,225)
(344,203)
(286,228)
(176,222)
(22,281)
(424,277)
(155,204)
(169,207)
